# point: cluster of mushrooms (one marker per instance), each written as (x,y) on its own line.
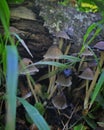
(88,70)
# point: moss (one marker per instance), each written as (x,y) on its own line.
(58,17)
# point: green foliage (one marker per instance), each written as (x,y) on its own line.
(35,115)
(39,106)
(86,41)
(15,1)
(91,5)
(4,14)
(90,122)
(52,63)
(23,43)
(79,127)
(11,86)
(87,6)
(97,87)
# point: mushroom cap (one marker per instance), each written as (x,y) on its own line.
(59,101)
(53,53)
(64,81)
(87,53)
(87,74)
(25,68)
(62,34)
(83,66)
(92,64)
(99,45)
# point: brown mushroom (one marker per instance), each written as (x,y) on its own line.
(25,68)
(59,101)
(84,54)
(87,74)
(63,35)
(53,53)
(63,81)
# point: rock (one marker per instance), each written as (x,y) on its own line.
(58,17)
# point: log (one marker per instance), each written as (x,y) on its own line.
(29,25)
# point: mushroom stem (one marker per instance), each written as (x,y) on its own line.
(31,88)
(52,92)
(85,101)
(61,43)
(95,79)
(67,49)
(81,63)
(51,81)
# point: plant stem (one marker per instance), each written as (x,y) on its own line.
(67,49)
(95,78)
(81,63)
(60,43)
(31,88)
(85,101)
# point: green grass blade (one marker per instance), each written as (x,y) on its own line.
(98,30)
(5,15)
(23,44)
(90,122)
(89,30)
(97,88)
(48,75)
(15,1)
(35,115)
(70,58)
(52,63)
(11,86)
(79,127)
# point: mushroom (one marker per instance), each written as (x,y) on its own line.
(63,35)
(59,101)
(63,81)
(25,68)
(84,66)
(53,53)
(84,54)
(88,75)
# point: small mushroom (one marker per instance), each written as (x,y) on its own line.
(59,101)
(84,54)
(87,53)
(63,35)
(63,81)
(53,53)
(88,75)
(25,68)
(84,66)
